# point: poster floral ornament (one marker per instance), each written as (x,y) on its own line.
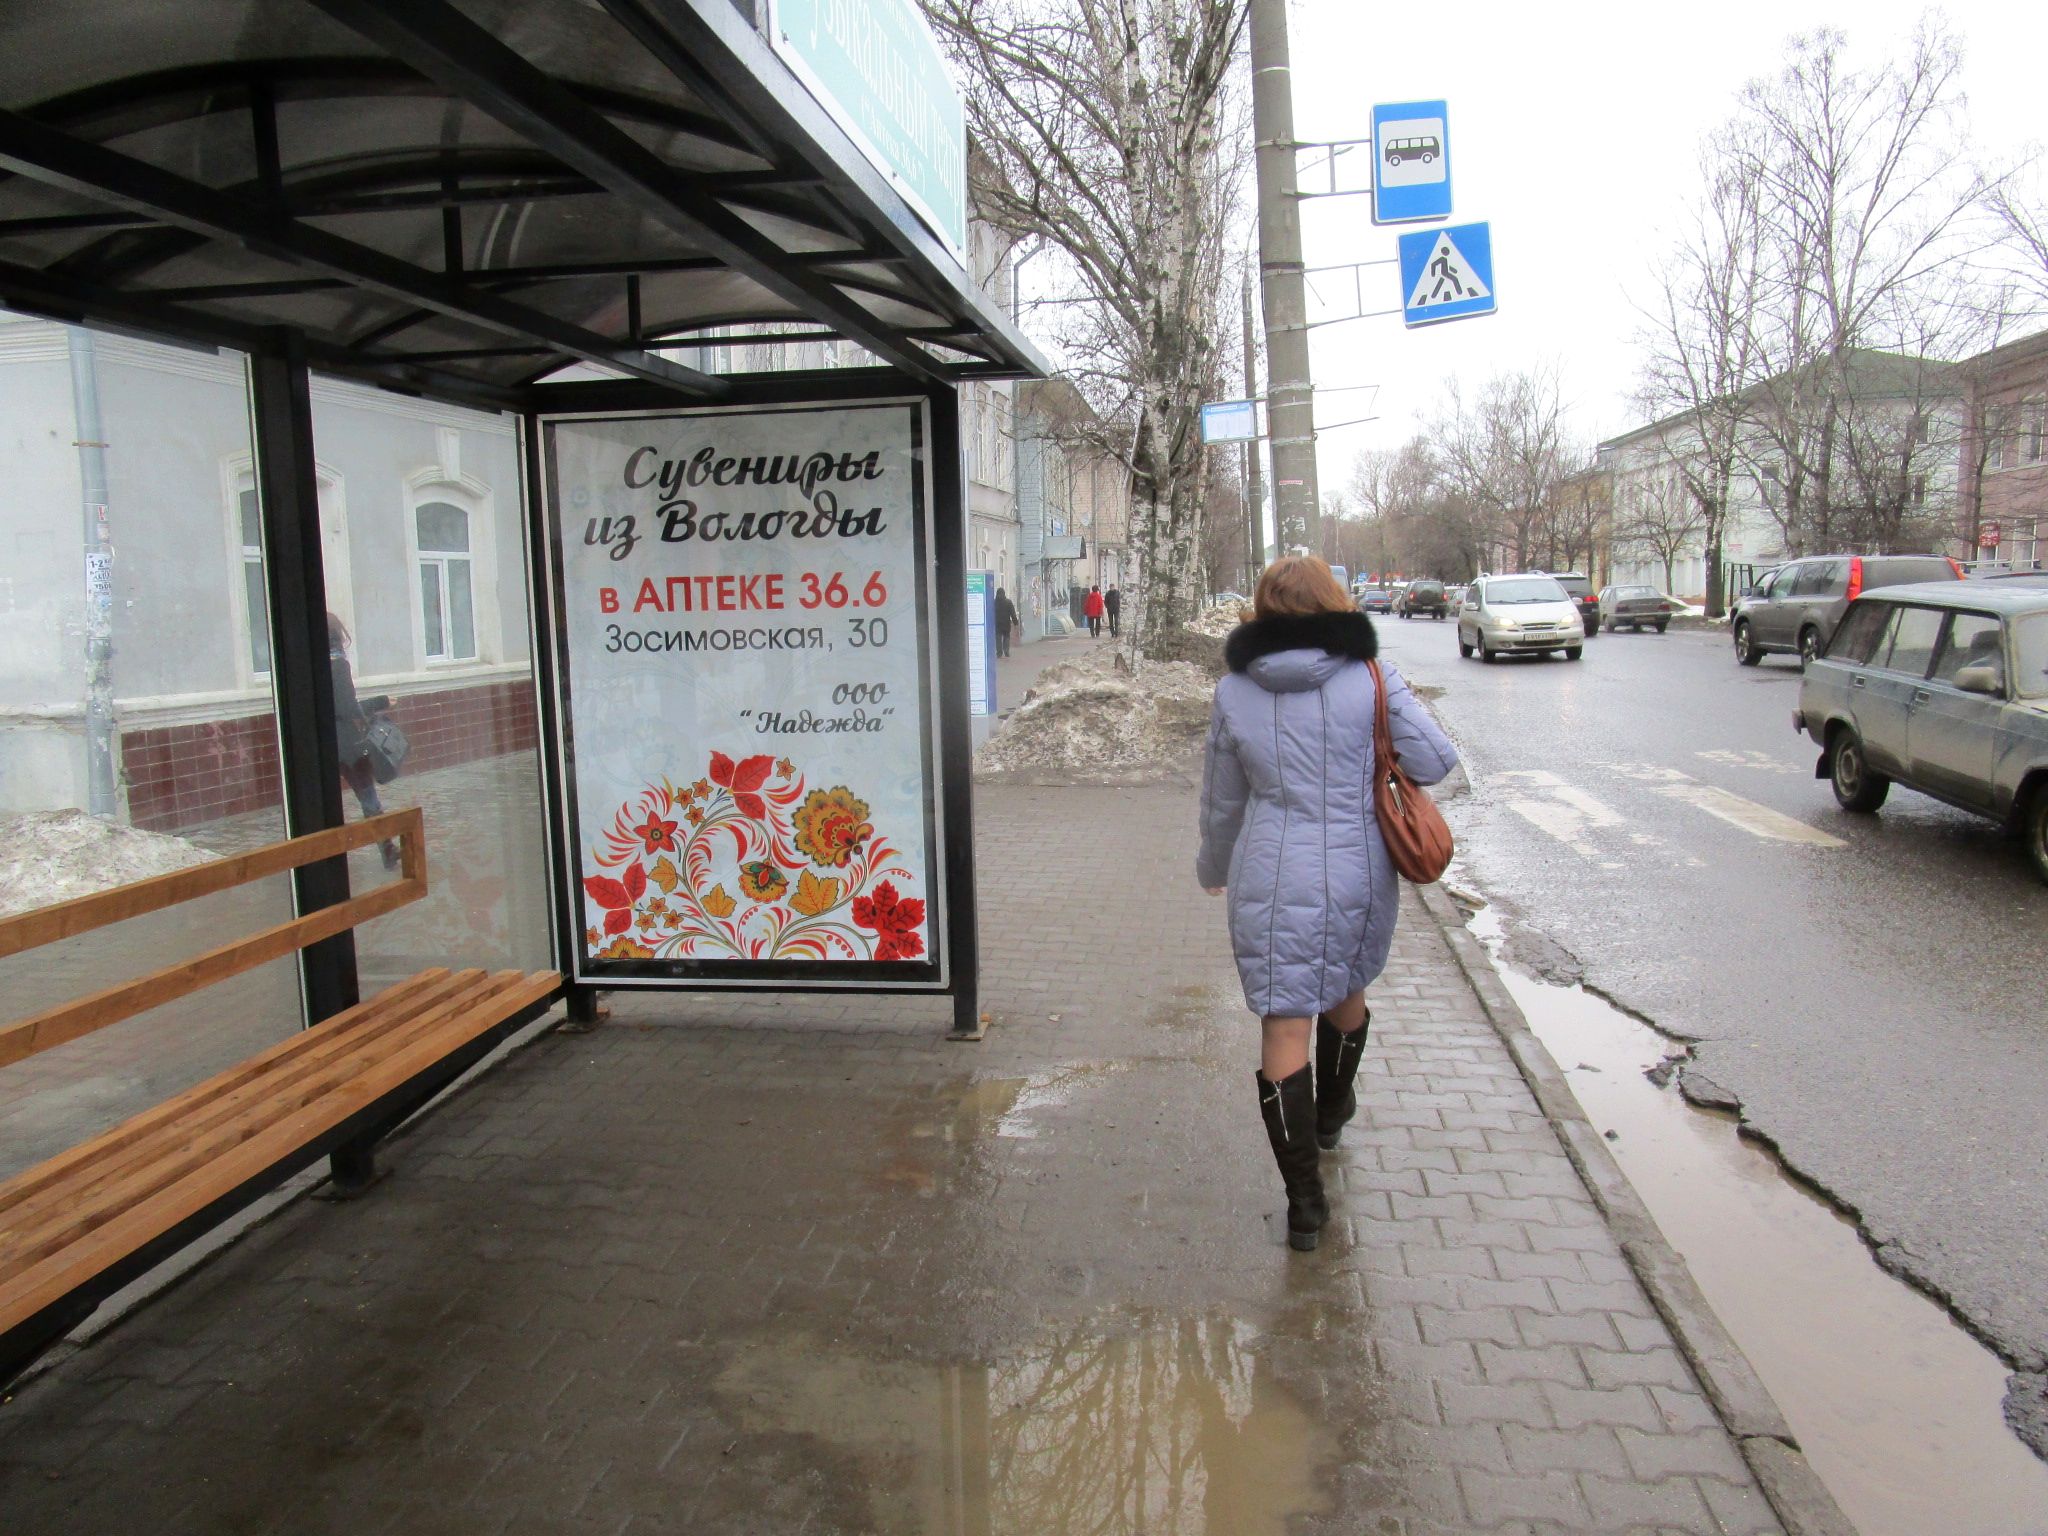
(749,863)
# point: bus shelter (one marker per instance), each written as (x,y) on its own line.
(467,272)
(744,590)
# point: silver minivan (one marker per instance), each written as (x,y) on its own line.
(1519,616)
(1941,687)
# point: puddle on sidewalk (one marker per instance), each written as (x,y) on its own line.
(1167,1426)
(1898,1409)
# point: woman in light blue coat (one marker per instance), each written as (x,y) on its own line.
(1288,827)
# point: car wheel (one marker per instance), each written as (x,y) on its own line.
(1592,629)
(1464,650)
(1809,647)
(2035,827)
(1660,628)
(1746,650)
(1485,650)
(1574,652)
(1858,786)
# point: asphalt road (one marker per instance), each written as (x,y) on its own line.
(1870,988)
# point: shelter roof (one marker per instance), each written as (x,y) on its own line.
(459,197)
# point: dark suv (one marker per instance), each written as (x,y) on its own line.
(1423,597)
(1796,607)
(1583,597)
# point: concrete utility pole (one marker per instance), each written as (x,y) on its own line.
(1290,398)
(1255,502)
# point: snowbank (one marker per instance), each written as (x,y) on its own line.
(1097,718)
(1219,620)
(52,856)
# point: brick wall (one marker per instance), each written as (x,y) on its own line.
(182,776)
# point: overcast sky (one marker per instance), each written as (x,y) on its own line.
(1574,131)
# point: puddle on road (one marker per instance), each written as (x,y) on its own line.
(1898,1409)
(1169,1426)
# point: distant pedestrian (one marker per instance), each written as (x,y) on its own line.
(1113,607)
(1006,622)
(352,731)
(1092,608)
(1288,825)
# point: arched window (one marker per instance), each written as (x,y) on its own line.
(447,581)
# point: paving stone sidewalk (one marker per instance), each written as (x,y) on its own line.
(803,1266)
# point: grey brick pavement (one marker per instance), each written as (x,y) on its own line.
(802,1266)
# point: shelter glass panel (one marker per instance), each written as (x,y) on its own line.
(137,727)
(441,645)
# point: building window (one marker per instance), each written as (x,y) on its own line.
(2000,451)
(256,603)
(1919,492)
(447,588)
(2036,429)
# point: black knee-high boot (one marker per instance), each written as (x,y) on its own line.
(1337,1058)
(1289,1109)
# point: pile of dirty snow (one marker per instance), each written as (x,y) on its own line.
(52,856)
(1096,717)
(1218,620)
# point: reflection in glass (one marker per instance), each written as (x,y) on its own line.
(191,733)
(436,577)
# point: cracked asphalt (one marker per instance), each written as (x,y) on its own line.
(1869,989)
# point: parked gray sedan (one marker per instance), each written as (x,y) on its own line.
(1942,687)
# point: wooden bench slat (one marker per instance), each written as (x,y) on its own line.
(65,1215)
(77,1173)
(139,898)
(110,1005)
(68,1163)
(63,1271)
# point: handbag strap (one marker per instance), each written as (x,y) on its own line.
(1382,726)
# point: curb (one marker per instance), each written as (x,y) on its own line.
(1744,1405)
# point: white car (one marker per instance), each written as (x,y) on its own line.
(1519,615)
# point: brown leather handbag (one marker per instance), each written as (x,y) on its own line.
(1418,838)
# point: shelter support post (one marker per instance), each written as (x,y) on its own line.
(295,585)
(956,727)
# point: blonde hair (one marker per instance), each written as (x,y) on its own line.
(1300,584)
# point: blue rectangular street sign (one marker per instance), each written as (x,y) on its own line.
(1411,162)
(1230,421)
(1447,273)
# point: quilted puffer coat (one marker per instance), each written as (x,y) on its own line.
(1287,809)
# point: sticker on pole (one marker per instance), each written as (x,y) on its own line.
(1446,274)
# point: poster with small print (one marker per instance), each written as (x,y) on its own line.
(743,691)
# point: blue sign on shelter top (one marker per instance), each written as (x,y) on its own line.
(1411,162)
(877,69)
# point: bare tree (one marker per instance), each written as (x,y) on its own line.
(1581,510)
(1503,452)
(1102,129)
(1873,221)
(1701,351)
(1658,515)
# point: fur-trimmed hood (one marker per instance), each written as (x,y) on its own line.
(1348,636)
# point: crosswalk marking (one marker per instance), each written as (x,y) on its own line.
(1577,819)
(1758,820)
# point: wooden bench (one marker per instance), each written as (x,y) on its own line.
(78,1227)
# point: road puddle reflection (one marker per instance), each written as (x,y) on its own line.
(1897,1408)
(1160,1425)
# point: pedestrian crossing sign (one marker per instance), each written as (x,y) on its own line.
(1446,273)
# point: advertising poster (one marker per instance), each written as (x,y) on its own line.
(744,694)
